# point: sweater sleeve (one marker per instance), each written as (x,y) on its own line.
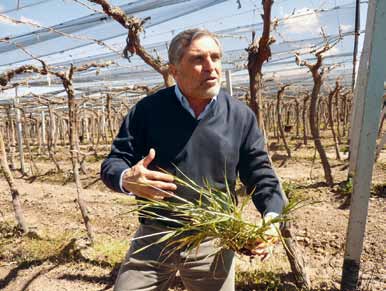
(256,171)
(126,150)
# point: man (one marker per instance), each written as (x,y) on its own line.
(205,133)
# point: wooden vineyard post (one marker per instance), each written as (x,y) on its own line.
(368,100)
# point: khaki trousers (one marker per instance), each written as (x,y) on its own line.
(155,269)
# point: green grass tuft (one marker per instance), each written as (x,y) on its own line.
(64,247)
(261,280)
(346,187)
(214,215)
(108,250)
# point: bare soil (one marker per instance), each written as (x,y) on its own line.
(50,209)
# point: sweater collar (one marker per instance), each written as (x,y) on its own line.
(185,104)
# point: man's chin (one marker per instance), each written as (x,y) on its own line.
(212,91)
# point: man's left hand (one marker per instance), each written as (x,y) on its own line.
(263,248)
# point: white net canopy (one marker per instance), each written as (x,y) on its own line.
(71,31)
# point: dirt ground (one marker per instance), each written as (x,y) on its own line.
(50,209)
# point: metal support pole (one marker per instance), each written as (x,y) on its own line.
(356,37)
(228,77)
(368,98)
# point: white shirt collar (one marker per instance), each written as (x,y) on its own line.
(185,104)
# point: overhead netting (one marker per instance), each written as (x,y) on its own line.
(73,41)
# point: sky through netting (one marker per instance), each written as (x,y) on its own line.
(79,27)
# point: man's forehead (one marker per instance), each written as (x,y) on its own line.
(204,44)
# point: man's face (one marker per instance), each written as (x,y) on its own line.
(198,74)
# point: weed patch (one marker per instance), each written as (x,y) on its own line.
(107,250)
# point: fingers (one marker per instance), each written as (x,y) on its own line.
(158,180)
(149,158)
(151,193)
(147,183)
(265,256)
(158,176)
(150,189)
(260,248)
(162,186)
(263,253)
(143,187)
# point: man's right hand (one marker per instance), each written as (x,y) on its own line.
(145,183)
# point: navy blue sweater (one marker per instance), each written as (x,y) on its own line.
(227,140)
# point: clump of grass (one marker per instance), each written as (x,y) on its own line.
(214,215)
(288,188)
(345,149)
(110,251)
(63,247)
(346,187)
(8,230)
(42,249)
(258,280)
(32,248)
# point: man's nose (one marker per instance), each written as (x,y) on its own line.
(209,64)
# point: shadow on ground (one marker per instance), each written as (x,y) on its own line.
(69,253)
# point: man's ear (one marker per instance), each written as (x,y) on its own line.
(173,70)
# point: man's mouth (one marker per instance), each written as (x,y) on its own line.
(211,80)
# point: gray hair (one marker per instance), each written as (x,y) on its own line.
(182,40)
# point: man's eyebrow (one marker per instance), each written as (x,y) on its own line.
(193,52)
